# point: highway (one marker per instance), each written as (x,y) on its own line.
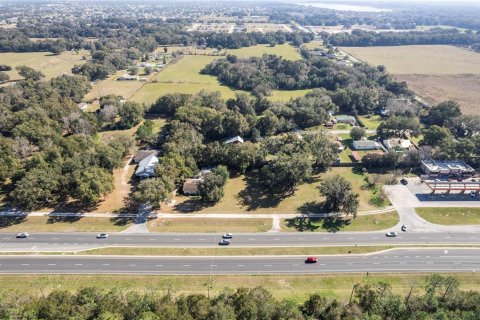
(399,260)
(80,241)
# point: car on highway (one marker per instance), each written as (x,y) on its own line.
(227,236)
(102,236)
(391,234)
(404,181)
(23,235)
(311,260)
(473,194)
(224,242)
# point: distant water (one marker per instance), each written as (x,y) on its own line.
(344,7)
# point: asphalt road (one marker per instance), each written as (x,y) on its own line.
(400,260)
(80,241)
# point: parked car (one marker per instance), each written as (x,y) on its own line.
(404,181)
(227,236)
(23,235)
(102,236)
(311,260)
(473,194)
(391,234)
(224,242)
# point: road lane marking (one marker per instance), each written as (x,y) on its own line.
(132,265)
(251,239)
(214,265)
(105,264)
(326,238)
(177,239)
(52,264)
(201,239)
(186,265)
(240,265)
(376,263)
(79,264)
(55,238)
(159,265)
(322,264)
(25,264)
(267,265)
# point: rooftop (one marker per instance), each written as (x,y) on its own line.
(447,165)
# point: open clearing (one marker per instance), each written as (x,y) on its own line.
(209,225)
(437,73)
(450,216)
(62,224)
(285,50)
(244,195)
(372,222)
(51,65)
(295,287)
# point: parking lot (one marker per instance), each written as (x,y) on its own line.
(417,194)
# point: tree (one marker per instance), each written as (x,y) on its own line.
(29,73)
(108,113)
(323,150)
(211,186)
(133,70)
(443,112)
(148,70)
(4,77)
(435,135)
(357,133)
(8,163)
(91,184)
(396,126)
(145,132)
(339,195)
(131,113)
(152,191)
(74,87)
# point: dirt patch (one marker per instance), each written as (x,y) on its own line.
(465,89)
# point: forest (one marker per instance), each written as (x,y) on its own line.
(438,297)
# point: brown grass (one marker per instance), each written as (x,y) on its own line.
(209,225)
(62,224)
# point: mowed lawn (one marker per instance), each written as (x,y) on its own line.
(62,224)
(372,222)
(209,225)
(243,194)
(51,65)
(286,51)
(450,216)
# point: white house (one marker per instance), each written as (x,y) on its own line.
(127,77)
(366,145)
(146,167)
(399,143)
(236,139)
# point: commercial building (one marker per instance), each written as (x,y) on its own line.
(447,169)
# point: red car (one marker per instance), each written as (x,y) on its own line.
(311,260)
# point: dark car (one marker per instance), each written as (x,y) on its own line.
(404,181)
(224,242)
(311,260)
(404,228)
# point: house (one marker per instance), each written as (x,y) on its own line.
(146,167)
(142,154)
(236,139)
(190,186)
(397,144)
(346,119)
(366,145)
(127,77)
(446,169)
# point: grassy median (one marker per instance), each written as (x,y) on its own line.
(209,225)
(450,216)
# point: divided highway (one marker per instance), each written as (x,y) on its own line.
(400,260)
(79,241)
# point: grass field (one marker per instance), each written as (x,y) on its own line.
(209,225)
(436,73)
(286,95)
(232,251)
(450,216)
(62,224)
(372,222)
(435,59)
(372,122)
(286,51)
(295,287)
(244,195)
(51,65)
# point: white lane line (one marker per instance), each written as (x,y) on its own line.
(52,264)
(240,265)
(132,265)
(79,238)
(267,265)
(423,237)
(25,264)
(105,264)
(276,239)
(152,239)
(186,265)
(214,265)
(159,265)
(457,262)
(448,237)
(251,239)
(201,239)
(322,264)
(350,238)
(79,264)
(301,238)
(34,247)
(55,238)
(376,263)
(427,256)
(326,238)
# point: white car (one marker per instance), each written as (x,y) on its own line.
(102,236)
(224,242)
(227,236)
(391,234)
(23,235)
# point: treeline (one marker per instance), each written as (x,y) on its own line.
(49,150)
(355,89)
(438,297)
(360,38)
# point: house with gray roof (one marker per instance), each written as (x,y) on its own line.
(146,167)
